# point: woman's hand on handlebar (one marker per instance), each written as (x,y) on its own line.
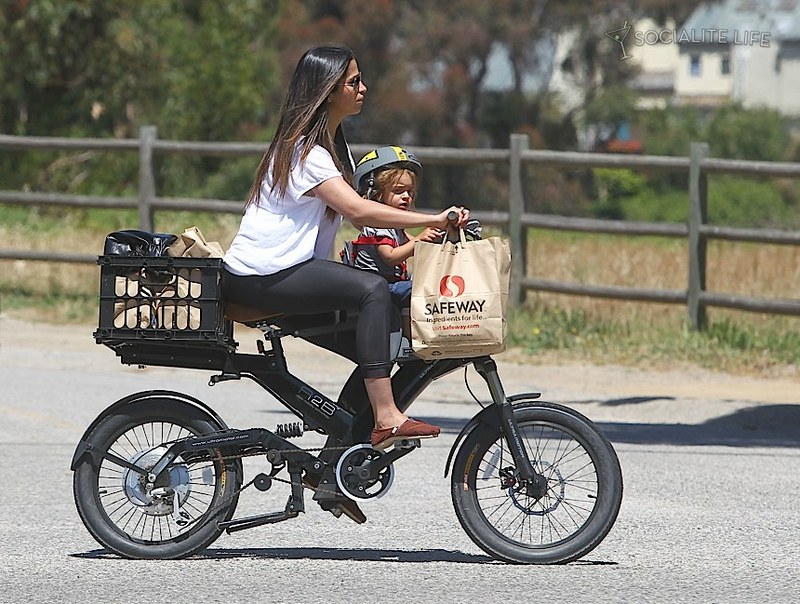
(454,216)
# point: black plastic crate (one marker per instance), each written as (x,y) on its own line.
(174,301)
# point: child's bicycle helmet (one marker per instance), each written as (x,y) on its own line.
(379,159)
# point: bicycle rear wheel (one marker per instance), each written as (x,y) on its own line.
(583,497)
(180,515)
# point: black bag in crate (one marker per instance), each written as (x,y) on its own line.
(137,243)
(140,244)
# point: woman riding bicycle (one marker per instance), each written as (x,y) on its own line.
(158,474)
(278,261)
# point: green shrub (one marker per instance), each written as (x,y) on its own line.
(758,134)
(611,186)
(650,206)
(748,202)
(732,201)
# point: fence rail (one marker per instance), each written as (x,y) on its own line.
(516,221)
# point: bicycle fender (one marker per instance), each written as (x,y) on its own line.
(488,415)
(82,448)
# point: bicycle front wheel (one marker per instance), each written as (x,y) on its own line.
(582,498)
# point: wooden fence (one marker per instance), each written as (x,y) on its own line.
(515,220)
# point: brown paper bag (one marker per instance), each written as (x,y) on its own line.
(143,303)
(130,314)
(459,297)
(176,306)
(131,307)
(192,244)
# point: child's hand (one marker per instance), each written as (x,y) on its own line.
(429,235)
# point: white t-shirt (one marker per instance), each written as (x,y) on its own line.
(281,231)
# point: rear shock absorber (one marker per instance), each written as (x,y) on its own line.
(290,430)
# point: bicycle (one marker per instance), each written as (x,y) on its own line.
(158,474)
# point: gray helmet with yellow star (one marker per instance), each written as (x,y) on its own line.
(379,159)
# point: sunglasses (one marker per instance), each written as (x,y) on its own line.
(355,83)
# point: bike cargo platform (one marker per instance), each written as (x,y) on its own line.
(164,311)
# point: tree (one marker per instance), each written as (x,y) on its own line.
(756,134)
(196,70)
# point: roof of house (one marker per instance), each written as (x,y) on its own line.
(781,18)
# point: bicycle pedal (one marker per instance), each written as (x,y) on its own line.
(399,443)
(408,443)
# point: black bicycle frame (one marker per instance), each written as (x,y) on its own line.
(346,422)
(354,423)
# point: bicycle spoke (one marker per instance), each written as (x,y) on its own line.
(133,510)
(566,505)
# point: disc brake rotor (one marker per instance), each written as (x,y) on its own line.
(351,469)
(548,503)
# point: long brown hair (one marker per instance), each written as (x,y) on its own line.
(304,112)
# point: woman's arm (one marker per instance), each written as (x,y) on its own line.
(340,196)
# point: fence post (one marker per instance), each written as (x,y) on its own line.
(516,207)
(698,215)
(147,181)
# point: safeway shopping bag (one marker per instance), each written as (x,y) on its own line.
(459,298)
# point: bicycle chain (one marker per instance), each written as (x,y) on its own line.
(241,489)
(256,453)
(275,478)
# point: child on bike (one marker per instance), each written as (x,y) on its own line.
(389,175)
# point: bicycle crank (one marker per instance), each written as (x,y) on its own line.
(359,475)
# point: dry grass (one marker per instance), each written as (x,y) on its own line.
(656,335)
(623,332)
(768,271)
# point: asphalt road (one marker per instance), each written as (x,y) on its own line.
(710,513)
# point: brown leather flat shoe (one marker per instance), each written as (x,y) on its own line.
(411,428)
(348,507)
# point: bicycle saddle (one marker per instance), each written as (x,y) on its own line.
(240,313)
(305,325)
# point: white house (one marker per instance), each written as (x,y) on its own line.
(741,50)
(657,58)
(727,50)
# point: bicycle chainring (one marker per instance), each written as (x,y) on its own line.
(351,470)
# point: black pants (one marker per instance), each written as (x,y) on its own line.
(318,286)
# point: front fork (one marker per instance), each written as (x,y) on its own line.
(537,483)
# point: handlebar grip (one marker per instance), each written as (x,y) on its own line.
(452,216)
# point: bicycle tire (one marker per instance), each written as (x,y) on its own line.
(113,504)
(583,497)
